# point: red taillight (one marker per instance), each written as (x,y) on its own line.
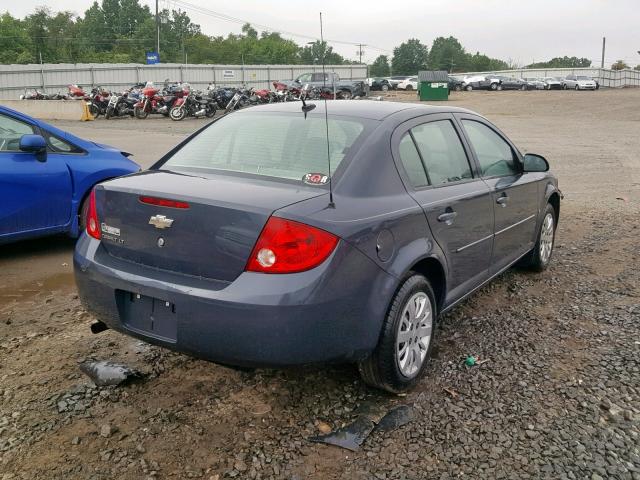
(93,225)
(285,246)
(163,202)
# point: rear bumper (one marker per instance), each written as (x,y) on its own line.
(331,313)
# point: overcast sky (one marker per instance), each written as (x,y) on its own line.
(521,30)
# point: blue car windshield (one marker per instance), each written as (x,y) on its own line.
(282,145)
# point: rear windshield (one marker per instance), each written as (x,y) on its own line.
(583,78)
(281,145)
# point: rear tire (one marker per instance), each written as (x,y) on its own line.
(577,88)
(82,215)
(494,86)
(409,87)
(469,88)
(540,257)
(396,365)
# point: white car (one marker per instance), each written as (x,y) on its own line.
(579,82)
(410,83)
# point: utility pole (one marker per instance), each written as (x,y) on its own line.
(604,42)
(360,51)
(157,30)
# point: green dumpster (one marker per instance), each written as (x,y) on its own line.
(433,85)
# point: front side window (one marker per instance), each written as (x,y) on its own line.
(442,152)
(11,130)
(304,78)
(494,154)
(280,145)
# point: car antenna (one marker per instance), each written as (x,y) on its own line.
(326,117)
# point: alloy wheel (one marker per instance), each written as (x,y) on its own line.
(414,334)
(546,238)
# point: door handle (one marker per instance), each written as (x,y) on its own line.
(447,217)
(503,200)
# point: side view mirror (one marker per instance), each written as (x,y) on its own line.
(535,163)
(34,144)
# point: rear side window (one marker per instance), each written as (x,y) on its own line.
(442,152)
(494,153)
(278,145)
(411,162)
(58,145)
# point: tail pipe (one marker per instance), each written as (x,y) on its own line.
(98,327)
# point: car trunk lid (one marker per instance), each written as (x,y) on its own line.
(210,236)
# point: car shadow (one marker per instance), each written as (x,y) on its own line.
(40,247)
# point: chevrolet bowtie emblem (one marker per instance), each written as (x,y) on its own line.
(160,221)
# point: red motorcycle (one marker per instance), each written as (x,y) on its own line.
(98,101)
(284,93)
(149,102)
(77,93)
(262,96)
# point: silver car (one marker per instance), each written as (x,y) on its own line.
(535,83)
(579,82)
(552,83)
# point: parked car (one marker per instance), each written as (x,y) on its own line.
(552,83)
(511,83)
(579,82)
(46,175)
(410,83)
(243,246)
(345,88)
(396,79)
(535,83)
(455,83)
(378,83)
(481,82)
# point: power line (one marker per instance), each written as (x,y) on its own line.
(229,18)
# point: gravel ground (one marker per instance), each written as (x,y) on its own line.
(558,395)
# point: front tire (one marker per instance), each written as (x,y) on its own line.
(109,113)
(94,110)
(469,88)
(409,87)
(177,113)
(140,113)
(406,339)
(540,257)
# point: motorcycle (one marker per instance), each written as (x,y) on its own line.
(239,100)
(120,105)
(265,95)
(170,95)
(98,101)
(76,93)
(222,96)
(148,103)
(193,105)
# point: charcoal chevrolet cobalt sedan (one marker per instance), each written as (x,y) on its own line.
(232,247)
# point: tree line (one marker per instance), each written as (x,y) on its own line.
(121,31)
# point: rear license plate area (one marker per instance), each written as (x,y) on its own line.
(148,316)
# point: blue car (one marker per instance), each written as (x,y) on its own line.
(46,175)
(277,236)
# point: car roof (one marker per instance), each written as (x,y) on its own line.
(370,109)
